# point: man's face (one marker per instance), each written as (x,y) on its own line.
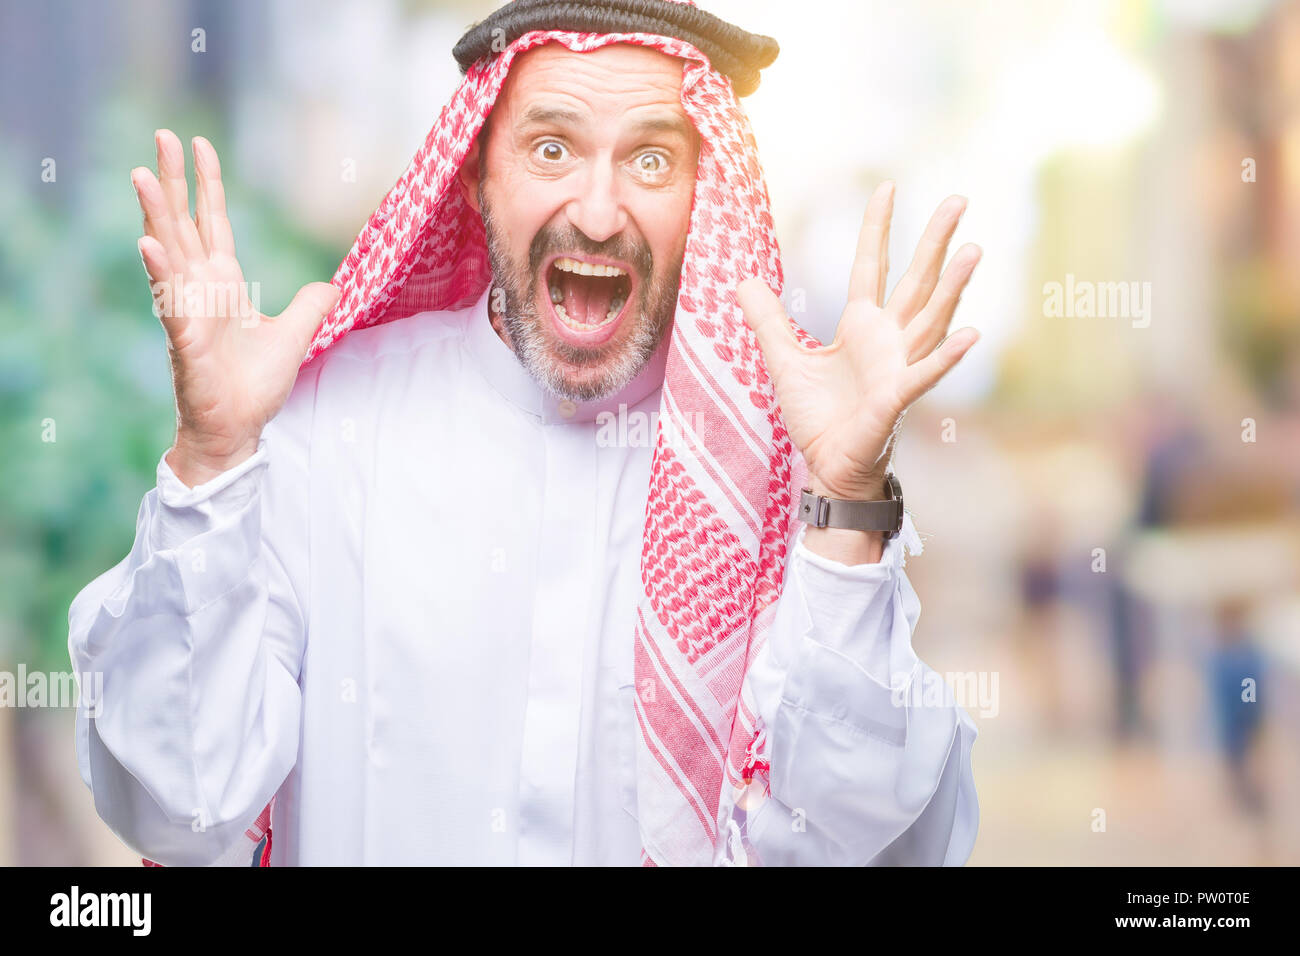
(585,188)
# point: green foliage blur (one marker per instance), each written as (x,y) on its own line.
(86,406)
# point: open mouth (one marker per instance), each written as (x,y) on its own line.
(588,298)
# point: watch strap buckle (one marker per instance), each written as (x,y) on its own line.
(823,512)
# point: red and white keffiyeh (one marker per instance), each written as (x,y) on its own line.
(722,490)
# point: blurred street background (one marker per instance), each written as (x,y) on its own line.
(1107,486)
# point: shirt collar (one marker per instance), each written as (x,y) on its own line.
(507,375)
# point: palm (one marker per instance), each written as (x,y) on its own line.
(843,403)
(232,365)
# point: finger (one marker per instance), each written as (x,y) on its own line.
(871,259)
(162,283)
(925,374)
(210,201)
(305,313)
(157,220)
(927,330)
(171,174)
(922,275)
(154,257)
(765,315)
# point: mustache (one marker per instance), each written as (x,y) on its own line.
(568,239)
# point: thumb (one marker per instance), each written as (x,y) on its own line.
(765,315)
(304,314)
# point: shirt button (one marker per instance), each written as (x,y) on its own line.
(567,408)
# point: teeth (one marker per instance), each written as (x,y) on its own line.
(567,264)
(587,268)
(610,316)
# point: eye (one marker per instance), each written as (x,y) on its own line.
(651,163)
(551,151)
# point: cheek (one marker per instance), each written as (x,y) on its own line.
(668,219)
(522,206)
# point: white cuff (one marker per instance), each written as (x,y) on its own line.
(185,512)
(861,612)
(892,556)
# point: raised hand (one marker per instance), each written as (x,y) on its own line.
(232,366)
(843,403)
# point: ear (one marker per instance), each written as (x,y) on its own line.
(469,175)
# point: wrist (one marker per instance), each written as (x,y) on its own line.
(871,488)
(846,546)
(195,462)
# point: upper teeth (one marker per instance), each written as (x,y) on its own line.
(587,268)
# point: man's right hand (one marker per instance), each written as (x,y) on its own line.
(232,366)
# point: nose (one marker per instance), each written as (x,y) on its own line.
(597,210)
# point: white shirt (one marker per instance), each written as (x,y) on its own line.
(409,617)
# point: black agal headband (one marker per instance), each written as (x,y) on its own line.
(733,52)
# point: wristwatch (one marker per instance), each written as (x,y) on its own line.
(887,516)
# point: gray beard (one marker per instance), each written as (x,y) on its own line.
(544,359)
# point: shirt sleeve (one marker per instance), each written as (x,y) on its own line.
(192,646)
(869,753)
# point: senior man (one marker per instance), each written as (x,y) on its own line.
(541,535)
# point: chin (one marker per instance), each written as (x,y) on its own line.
(588,330)
(584,373)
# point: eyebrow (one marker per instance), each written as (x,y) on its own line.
(666,123)
(550,116)
(559,116)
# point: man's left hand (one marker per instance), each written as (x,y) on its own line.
(843,403)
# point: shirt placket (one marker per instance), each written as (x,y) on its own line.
(561,619)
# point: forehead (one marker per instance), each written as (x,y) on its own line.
(603,83)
